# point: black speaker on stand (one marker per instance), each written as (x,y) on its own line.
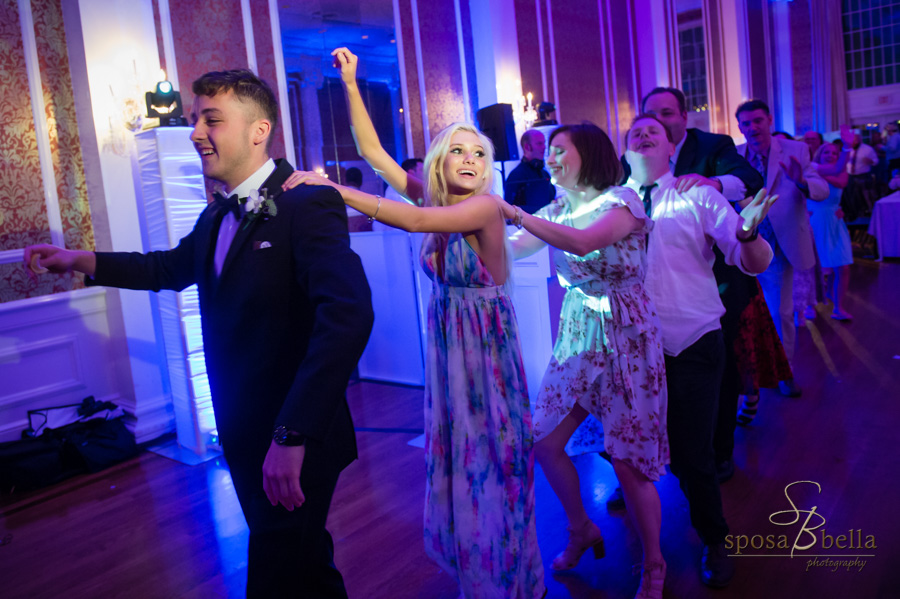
(496,121)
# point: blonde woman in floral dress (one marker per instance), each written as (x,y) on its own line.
(608,357)
(479,499)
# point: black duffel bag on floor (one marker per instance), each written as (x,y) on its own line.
(57,454)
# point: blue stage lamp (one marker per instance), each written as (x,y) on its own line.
(164,103)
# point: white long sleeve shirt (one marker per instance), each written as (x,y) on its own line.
(680,258)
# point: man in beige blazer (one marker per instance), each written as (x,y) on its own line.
(786,168)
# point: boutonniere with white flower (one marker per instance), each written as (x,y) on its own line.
(259,204)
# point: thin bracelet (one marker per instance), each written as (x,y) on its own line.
(519,220)
(377,208)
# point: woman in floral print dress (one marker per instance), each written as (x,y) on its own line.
(479,499)
(608,357)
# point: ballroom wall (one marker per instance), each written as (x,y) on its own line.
(42,179)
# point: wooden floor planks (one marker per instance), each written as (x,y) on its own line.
(154,528)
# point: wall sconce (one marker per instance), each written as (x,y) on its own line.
(164,103)
(530,115)
(523,110)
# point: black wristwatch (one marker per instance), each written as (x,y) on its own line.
(288,438)
(752,237)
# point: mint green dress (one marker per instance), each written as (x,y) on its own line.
(608,356)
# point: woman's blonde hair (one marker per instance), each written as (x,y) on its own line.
(435,186)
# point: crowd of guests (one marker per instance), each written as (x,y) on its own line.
(858,174)
(643,365)
(653,364)
(678,261)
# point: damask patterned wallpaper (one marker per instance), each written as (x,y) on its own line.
(265,62)
(21,194)
(208,36)
(65,145)
(440,64)
(412,78)
(22,205)
(160,46)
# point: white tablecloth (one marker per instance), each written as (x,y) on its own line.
(885,225)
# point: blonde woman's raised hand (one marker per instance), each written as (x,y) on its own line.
(346,61)
(847,136)
(306,178)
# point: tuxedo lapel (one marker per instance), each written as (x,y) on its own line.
(207,239)
(773,169)
(283,170)
(686,156)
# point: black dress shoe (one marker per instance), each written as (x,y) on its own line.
(725,470)
(716,566)
(789,388)
(616,501)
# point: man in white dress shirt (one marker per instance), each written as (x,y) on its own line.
(863,157)
(681,283)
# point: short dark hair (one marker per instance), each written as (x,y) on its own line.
(679,96)
(410,163)
(652,117)
(528,134)
(600,165)
(818,135)
(785,133)
(246,86)
(354,175)
(750,106)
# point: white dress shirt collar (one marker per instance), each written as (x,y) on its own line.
(255,180)
(664,180)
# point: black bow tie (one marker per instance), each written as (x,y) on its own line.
(230,204)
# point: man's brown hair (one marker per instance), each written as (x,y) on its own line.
(246,86)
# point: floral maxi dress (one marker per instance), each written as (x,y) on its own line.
(479,495)
(608,355)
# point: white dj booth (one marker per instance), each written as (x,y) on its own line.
(400,292)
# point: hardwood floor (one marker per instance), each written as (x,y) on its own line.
(154,528)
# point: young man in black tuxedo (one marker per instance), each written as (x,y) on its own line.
(286,314)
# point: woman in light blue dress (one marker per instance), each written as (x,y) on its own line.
(830,232)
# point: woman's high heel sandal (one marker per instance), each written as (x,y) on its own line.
(587,536)
(653,576)
(748,410)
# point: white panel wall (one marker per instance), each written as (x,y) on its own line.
(53,351)
(400,292)
(395,352)
(58,349)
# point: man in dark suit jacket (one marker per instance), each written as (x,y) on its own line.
(286,313)
(529,185)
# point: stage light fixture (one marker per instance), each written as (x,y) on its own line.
(164,103)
